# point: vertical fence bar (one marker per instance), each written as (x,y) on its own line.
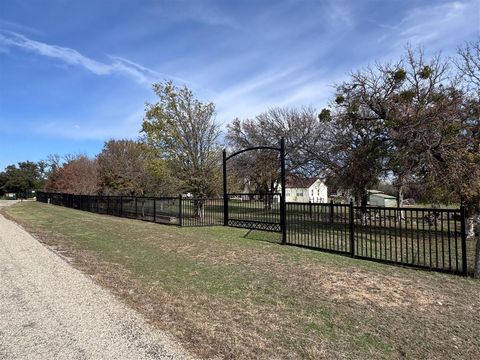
(180,212)
(352,227)
(464,238)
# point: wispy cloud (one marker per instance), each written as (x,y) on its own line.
(438,24)
(14,26)
(107,125)
(203,12)
(118,65)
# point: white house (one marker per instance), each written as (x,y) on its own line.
(306,190)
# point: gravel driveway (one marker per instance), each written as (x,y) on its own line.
(49,310)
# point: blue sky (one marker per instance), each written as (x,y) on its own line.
(76,73)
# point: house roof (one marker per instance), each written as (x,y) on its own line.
(299,182)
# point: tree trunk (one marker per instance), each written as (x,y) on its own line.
(363,205)
(476,265)
(268,200)
(477,257)
(199,208)
(471,226)
(400,196)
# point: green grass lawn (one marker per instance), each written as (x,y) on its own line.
(224,293)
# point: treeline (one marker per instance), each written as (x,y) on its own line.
(123,167)
(411,125)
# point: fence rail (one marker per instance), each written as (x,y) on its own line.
(254,211)
(420,237)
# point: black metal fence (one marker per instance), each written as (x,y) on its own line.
(254,211)
(421,237)
(163,210)
(201,212)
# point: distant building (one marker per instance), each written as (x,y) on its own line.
(11,196)
(377,198)
(299,189)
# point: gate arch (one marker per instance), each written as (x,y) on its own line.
(281,150)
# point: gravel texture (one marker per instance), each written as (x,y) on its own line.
(49,310)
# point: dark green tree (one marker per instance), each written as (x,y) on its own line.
(21,178)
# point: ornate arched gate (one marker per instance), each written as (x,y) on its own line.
(257,223)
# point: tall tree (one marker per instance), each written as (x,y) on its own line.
(355,144)
(468,65)
(407,121)
(183,130)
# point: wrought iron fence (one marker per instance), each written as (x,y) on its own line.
(201,211)
(163,210)
(421,237)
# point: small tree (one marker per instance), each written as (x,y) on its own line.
(127,167)
(77,176)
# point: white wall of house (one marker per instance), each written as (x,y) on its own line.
(316,193)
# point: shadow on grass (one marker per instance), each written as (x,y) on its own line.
(266,236)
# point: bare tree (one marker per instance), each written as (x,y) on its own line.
(468,65)
(262,169)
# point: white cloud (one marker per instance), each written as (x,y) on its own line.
(137,72)
(439,23)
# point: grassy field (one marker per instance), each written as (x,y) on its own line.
(224,293)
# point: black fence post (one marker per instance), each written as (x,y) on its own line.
(180,210)
(283,210)
(155,209)
(225,196)
(121,206)
(463,229)
(136,208)
(331,211)
(108,205)
(352,228)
